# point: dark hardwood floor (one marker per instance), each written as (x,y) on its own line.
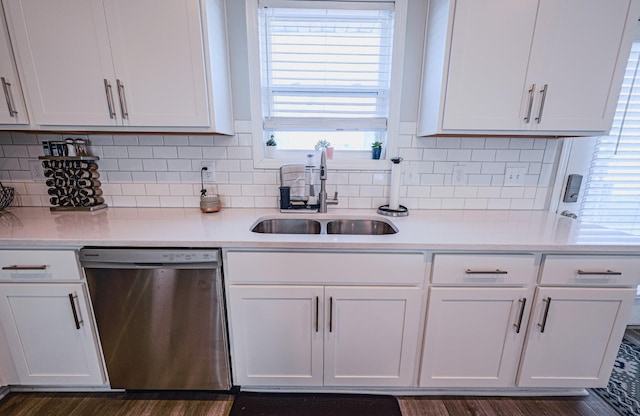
(211,404)
(208,404)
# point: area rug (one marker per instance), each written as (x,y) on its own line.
(299,404)
(623,390)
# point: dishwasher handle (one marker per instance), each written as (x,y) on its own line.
(115,265)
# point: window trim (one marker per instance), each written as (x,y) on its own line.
(290,156)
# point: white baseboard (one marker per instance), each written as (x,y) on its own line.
(513,392)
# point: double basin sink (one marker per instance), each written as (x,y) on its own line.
(349,226)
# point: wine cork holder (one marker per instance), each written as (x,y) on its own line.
(73,183)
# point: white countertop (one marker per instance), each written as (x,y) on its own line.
(422,229)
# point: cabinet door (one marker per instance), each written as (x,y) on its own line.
(158,55)
(64,57)
(371,336)
(473,336)
(576,54)
(42,331)
(12,107)
(488,64)
(276,335)
(574,336)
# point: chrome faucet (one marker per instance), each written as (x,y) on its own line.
(322,196)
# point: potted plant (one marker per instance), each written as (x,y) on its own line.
(271,146)
(325,144)
(376,150)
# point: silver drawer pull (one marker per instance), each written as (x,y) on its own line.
(496,271)
(532,93)
(25,267)
(542,100)
(6,86)
(599,273)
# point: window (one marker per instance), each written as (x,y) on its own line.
(612,190)
(325,73)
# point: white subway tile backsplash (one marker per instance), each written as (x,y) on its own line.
(176,140)
(360,179)
(168,177)
(164,152)
(164,170)
(179,165)
(459,155)
(186,152)
(448,142)
(521,143)
(201,140)
(214,153)
(133,189)
(171,201)
(154,165)
(496,143)
(147,201)
(125,165)
(144,177)
(531,155)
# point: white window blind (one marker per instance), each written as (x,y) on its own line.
(325,67)
(612,192)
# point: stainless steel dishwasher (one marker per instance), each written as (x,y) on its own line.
(160,316)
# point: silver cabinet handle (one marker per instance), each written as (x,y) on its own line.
(532,93)
(543,91)
(518,325)
(599,273)
(109,94)
(123,100)
(7,95)
(496,271)
(317,310)
(25,267)
(330,314)
(543,324)
(72,300)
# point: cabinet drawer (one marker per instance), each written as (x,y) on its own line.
(39,265)
(483,269)
(591,270)
(325,268)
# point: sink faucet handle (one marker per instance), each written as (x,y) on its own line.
(333,201)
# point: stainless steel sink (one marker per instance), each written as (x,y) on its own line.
(287,226)
(360,227)
(324,226)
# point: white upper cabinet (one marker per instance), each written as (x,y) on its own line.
(12,107)
(117,63)
(532,67)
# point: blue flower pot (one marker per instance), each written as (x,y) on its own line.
(375,152)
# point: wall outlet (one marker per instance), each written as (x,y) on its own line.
(208,175)
(514,176)
(37,171)
(459,175)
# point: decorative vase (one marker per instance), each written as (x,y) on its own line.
(271,151)
(375,152)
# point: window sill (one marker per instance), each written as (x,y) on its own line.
(337,164)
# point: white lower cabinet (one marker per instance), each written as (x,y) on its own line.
(49,333)
(574,336)
(324,335)
(473,336)
(277,335)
